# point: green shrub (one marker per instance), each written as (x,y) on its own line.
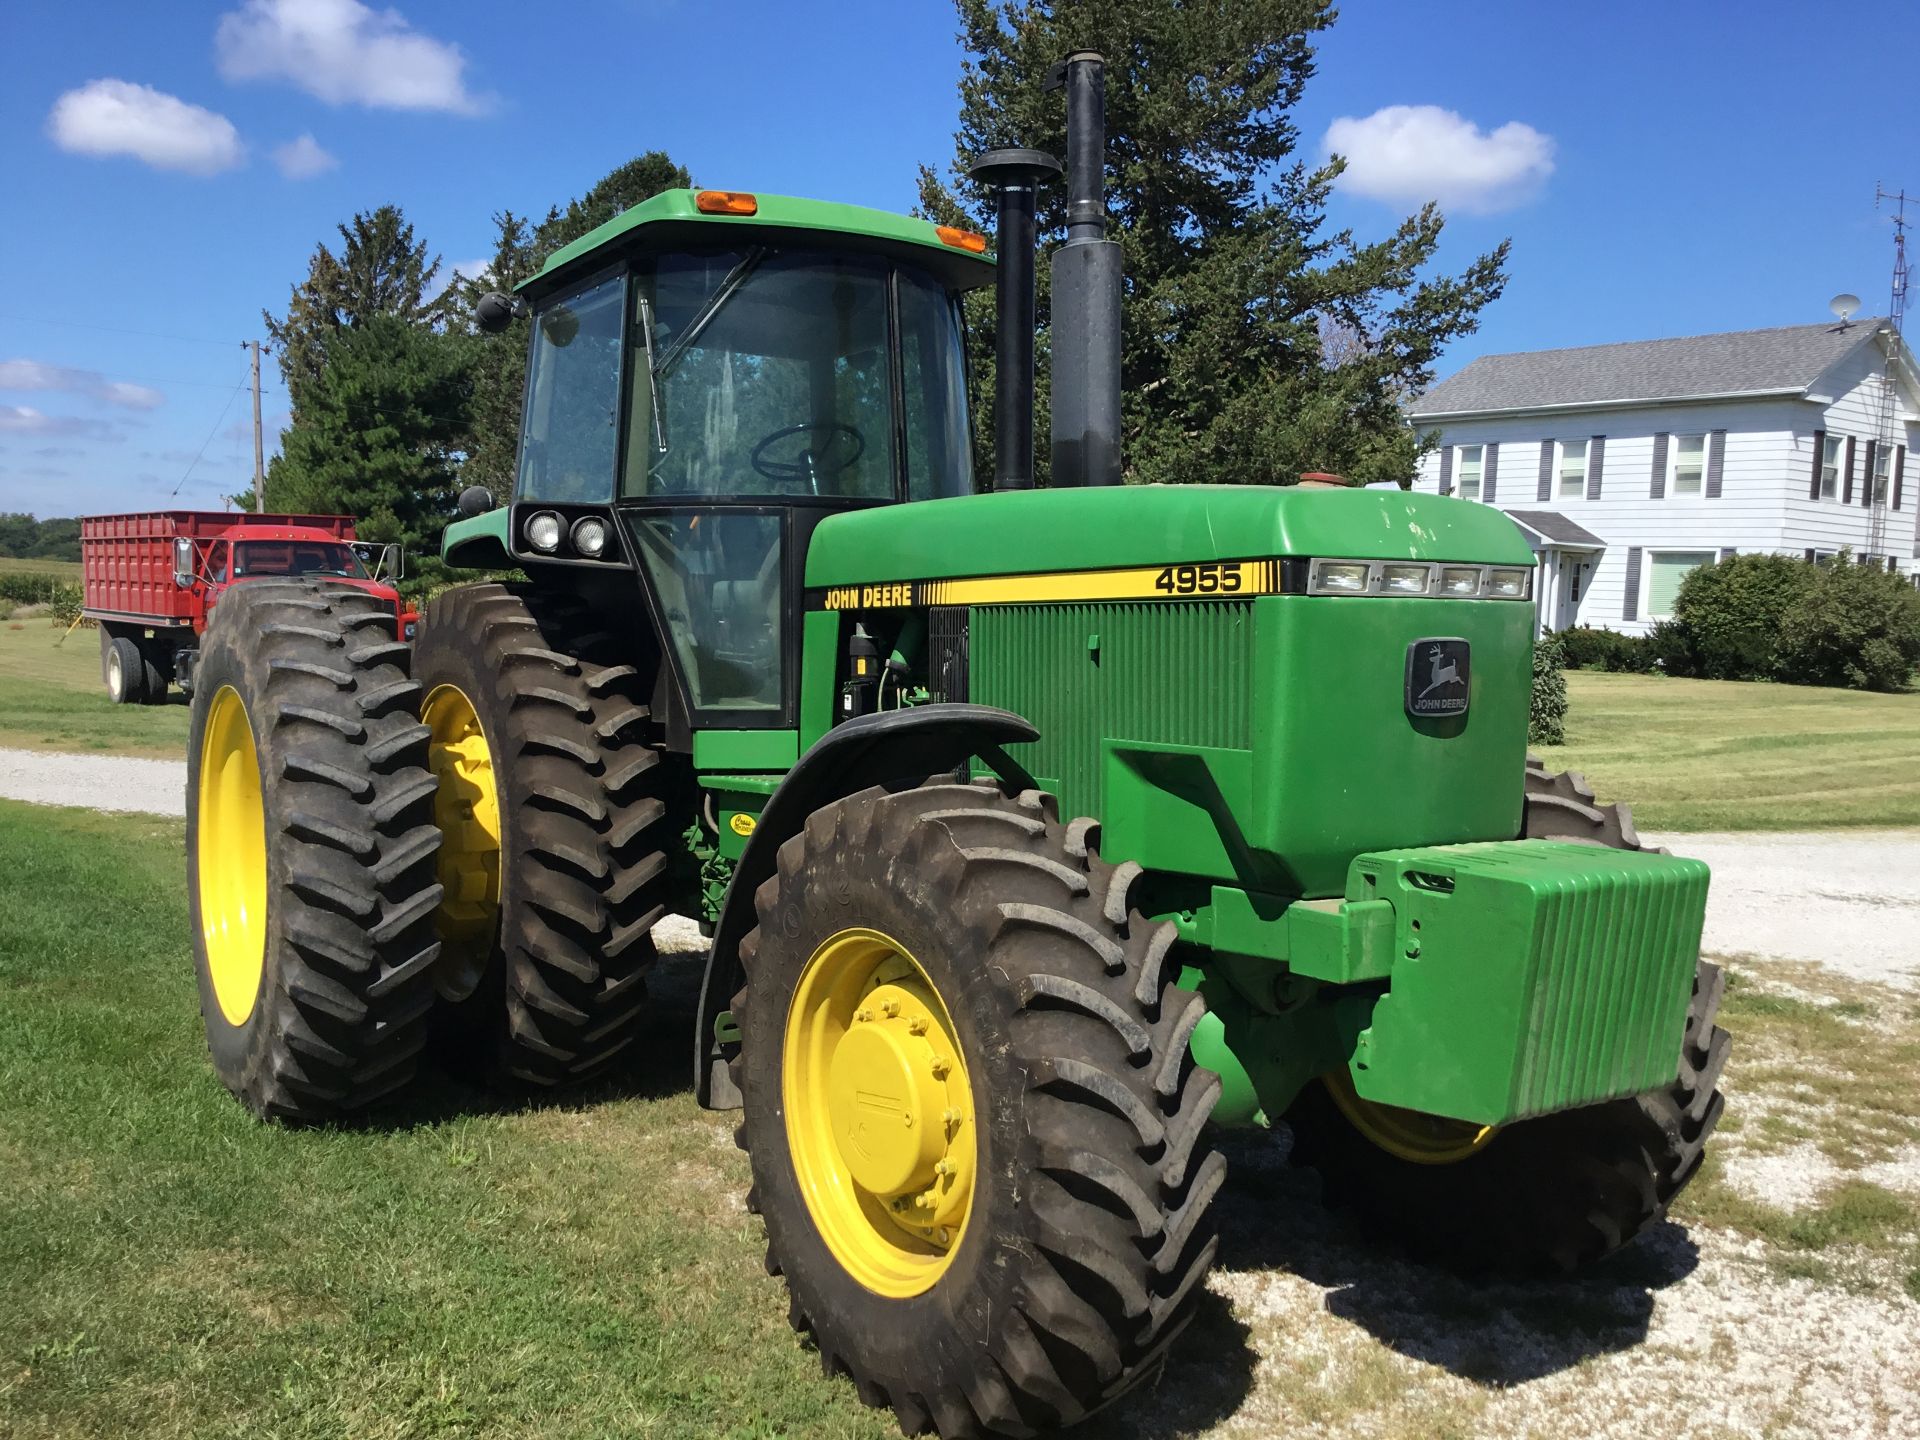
(1858,627)
(1668,648)
(25,587)
(1547,720)
(1588,649)
(64,607)
(1729,614)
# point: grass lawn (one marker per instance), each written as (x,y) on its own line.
(52,698)
(1724,755)
(172,1268)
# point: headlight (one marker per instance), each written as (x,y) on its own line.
(1508,584)
(407,631)
(1404,579)
(1460,580)
(543,531)
(590,536)
(1339,577)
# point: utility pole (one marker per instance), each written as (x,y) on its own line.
(259,445)
(1887,431)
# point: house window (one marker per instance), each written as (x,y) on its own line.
(1665,570)
(1882,466)
(1829,467)
(1573,469)
(1689,465)
(1466,470)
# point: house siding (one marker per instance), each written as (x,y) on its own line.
(1765,458)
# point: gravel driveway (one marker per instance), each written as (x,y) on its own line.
(1848,899)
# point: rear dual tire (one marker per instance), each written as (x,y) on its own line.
(540,724)
(131,675)
(310,851)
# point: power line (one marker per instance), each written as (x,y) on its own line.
(112,329)
(231,395)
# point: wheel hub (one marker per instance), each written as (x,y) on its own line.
(232,859)
(1407,1134)
(466,808)
(879,1112)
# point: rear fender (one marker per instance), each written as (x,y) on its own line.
(872,750)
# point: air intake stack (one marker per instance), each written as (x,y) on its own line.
(1086,292)
(1015,176)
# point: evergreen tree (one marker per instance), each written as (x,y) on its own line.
(380,270)
(520,249)
(1233,286)
(378,433)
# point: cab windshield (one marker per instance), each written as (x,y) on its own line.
(754,373)
(295,557)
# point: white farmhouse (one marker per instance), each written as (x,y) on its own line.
(1628,465)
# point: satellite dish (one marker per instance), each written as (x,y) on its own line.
(1844,306)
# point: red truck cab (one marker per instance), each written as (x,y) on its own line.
(151,581)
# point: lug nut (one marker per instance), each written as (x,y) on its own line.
(917,1025)
(944,1167)
(940,1068)
(889,1008)
(950,1116)
(940,1236)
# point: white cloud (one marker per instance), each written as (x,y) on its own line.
(304,158)
(1409,154)
(117,117)
(34,375)
(344,53)
(25,420)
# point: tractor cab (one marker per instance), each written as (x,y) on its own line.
(710,376)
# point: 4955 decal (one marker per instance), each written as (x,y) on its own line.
(1216,579)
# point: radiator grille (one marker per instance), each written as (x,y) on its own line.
(1163,671)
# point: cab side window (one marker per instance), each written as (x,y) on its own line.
(217,563)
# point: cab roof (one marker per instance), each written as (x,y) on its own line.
(671,220)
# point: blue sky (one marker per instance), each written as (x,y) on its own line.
(1662,169)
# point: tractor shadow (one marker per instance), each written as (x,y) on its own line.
(1496,1332)
(658,1063)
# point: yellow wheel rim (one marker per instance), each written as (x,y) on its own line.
(231,857)
(1407,1134)
(879,1113)
(466,808)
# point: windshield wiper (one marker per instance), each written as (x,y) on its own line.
(704,316)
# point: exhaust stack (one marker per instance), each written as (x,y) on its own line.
(1015,176)
(1086,292)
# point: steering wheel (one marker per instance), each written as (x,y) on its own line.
(807,469)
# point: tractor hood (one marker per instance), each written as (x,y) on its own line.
(1029,531)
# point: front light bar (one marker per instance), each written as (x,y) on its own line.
(1420,578)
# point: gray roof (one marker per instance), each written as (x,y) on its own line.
(1552,526)
(1745,362)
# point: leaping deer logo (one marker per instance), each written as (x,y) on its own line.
(1442,672)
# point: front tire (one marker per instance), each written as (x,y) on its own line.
(126,670)
(953,962)
(310,850)
(1548,1194)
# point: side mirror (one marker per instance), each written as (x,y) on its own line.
(393,562)
(475,500)
(494,312)
(182,561)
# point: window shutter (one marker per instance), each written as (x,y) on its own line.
(1846,473)
(1596,456)
(1546,471)
(1899,472)
(1727,552)
(1866,473)
(1630,607)
(1659,486)
(1489,471)
(1716,462)
(1446,469)
(1810,555)
(1819,449)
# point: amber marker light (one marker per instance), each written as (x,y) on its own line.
(961,239)
(726,202)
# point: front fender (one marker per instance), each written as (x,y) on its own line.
(879,749)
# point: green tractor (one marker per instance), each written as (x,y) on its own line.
(1037,831)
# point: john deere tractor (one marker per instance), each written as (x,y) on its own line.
(1037,831)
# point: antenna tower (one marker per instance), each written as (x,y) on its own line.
(1886,429)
